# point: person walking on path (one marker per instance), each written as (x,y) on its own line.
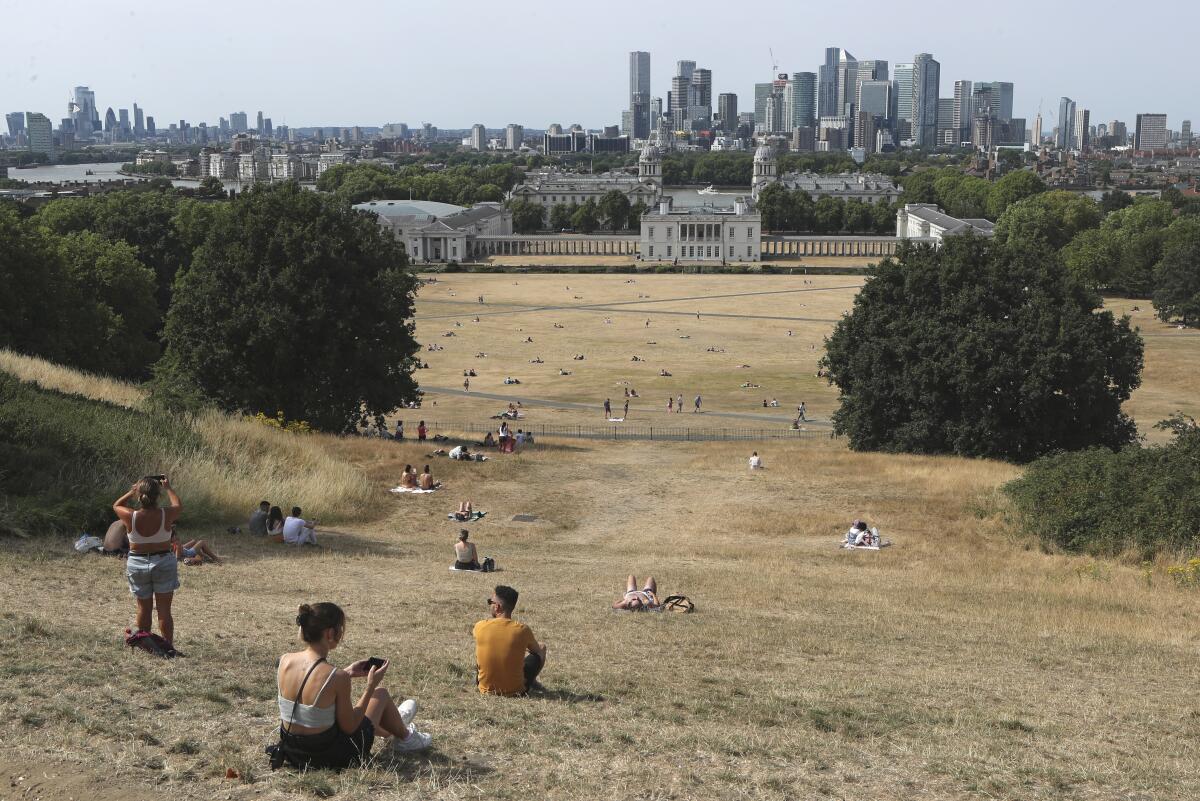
(670,404)
(466,385)
(697,409)
(625,414)
(607,409)
(679,404)
(800,412)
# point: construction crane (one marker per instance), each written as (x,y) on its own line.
(774,63)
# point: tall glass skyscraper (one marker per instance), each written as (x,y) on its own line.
(926,82)
(802,99)
(639,93)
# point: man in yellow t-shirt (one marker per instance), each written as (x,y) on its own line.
(508,655)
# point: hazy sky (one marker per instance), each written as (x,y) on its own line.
(456,63)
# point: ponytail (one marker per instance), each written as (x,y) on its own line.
(314,620)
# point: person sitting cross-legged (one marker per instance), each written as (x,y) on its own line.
(465,557)
(298,531)
(320,723)
(508,656)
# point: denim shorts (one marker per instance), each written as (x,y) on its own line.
(150,574)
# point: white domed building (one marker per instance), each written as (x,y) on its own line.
(766,169)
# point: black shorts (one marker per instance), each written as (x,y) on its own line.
(332,748)
(467,566)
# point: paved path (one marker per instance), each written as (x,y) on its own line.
(655,414)
(524,308)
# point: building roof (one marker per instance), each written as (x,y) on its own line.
(408,208)
(846,182)
(949,225)
(473,215)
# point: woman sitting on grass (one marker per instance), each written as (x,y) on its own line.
(275,524)
(408,479)
(321,727)
(636,600)
(465,557)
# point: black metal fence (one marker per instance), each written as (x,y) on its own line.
(626,431)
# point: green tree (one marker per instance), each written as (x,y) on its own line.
(614,207)
(981,350)
(775,205)
(36,296)
(1093,257)
(210,187)
(1177,276)
(828,215)
(1140,232)
(857,216)
(586,217)
(1114,200)
(295,304)
(526,216)
(636,212)
(560,216)
(1012,188)
(1050,218)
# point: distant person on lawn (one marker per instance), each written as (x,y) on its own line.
(320,725)
(426,480)
(465,557)
(258,519)
(635,600)
(152,569)
(275,524)
(756,461)
(298,531)
(508,655)
(408,478)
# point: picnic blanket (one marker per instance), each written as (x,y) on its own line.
(884,544)
(474,516)
(616,419)
(413,490)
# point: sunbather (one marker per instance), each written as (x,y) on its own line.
(427,482)
(862,535)
(408,479)
(200,551)
(464,511)
(465,557)
(636,600)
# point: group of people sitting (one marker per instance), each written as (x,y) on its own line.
(267,521)
(410,480)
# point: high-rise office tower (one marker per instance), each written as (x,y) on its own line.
(1185,134)
(927,80)
(702,87)
(479,136)
(761,92)
(727,110)
(16,123)
(1066,123)
(963,111)
(639,94)
(268,128)
(1150,133)
(1081,140)
(87,118)
(514,136)
(656,112)
(681,86)
(875,98)
(123,124)
(258,124)
(774,113)
(902,97)
(139,122)
(803,98)
(237,122)
(41,133)
(836,82)
(1002,98)
(1037,131)
(110,120)
(946,132)
(1119,132)
(150,129)
(868,70)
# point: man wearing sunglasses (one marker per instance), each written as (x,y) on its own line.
(508,655)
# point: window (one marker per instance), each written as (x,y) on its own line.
(708,252)
(731,232)
(749,232)
(652,232)
(668,249)
(652,251)
(749,251)
(454,250)
(731,251)
(669,232)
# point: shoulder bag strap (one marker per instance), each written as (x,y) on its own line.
(300,692)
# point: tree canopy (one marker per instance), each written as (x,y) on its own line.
(981,350)
(294,303)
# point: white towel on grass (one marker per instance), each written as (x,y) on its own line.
(413,490)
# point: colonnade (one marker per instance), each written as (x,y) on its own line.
(829,246)
(554,246)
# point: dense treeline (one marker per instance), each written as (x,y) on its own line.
(461,185)
(787,210)
(151,168)
(233,304)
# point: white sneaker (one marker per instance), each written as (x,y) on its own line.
(415,741)
(408,711)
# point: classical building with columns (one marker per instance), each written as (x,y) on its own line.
(926,221)
(551,188)
(867,187)
(702,233)
(766,169)
(439,232)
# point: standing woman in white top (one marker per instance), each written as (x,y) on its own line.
(151,569)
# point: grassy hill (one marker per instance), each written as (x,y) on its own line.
(70,443)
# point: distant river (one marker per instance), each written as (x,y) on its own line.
(101,173)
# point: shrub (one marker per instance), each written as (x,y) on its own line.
(1137,500)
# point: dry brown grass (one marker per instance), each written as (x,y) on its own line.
(961,663)
(73,382)
(964,662)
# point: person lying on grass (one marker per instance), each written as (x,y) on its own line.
(508,656)
(464,512)
(320,725)
(635,600)
(197,552)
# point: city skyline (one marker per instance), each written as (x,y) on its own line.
(306,75)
